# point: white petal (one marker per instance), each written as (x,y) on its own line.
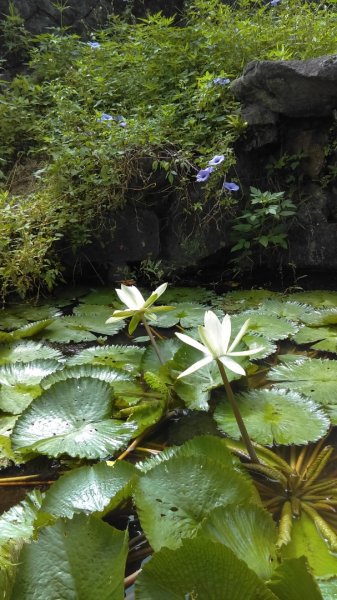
(130,296)
(239,335)
(246,352)
(226,332)
(232,365)
(114,319)
(211,334)
(161,289)
(192,342)
(198,365)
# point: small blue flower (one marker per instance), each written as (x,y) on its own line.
(216,160)
(94,44)
(204,174)
(106,117)
(222,80)
(274,2)
(230,186)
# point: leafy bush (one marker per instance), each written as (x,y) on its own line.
(164,93)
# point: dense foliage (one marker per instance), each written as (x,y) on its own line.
(89,121)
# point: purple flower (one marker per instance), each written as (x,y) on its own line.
(230,186)
(224,80)
(216,160)
(94,44)
(106,117)
(274,2)
(204,174)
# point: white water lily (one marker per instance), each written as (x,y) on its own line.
(137,306)
(216,344)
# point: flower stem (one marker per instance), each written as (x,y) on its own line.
(237,414)
(153,341)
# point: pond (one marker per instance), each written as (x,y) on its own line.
(113,450)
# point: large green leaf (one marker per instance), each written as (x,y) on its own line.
(256,341)
(188,314)
(94,317)
(174,497)
(187,294)
(20,383)
(249,531)
(31,329)
(307,335)
(118,357)
(65,330)
(292,580)
(242,300)
(18,522)
(317,298)
(27,352)
(167,349)
(328,588)
(293,311)
(90,489)
(319,318)
(271,327)
(199,569)
(307,541)
(6,428)
(315,378)
(274,417)
(96,372)
(72,417)
(81,559)
(103,295)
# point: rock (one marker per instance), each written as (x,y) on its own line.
(296,88)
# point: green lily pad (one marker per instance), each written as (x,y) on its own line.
(175,295)
(308,335)
(255,341)
(127,358)
(292,580)
(249,531)
(307,541)
(318,298)
(72,417)
(90,489)
(293,311)
(105,296)
(65,330)
(27,352)
(18,522)
(240,300)
(175,496)
(328,588)
(31,329)
(274,417)
(315,378)
(269,326)
(78,371)
(78,558)
(167,349)
(199,569)
(319,318)
(188,314)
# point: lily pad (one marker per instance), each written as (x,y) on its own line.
(292,580)
(247,530)
(319,318)
(27,352)
(308,335)
(105,296)
(188,314)
(72,417)
(78,558)
(31,329)
(18,522)
(317,298)
(78,371)
(269,326)
(293,311)
(175,295)
(240,300)
(199,569)
(90,489)
(65,330)
(127,358)
(274,417)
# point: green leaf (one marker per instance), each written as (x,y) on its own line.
(65,330)
(256,341)
(72,417)
(90,489)
(274,417)
(328,588)
(173,497)
(307,541)
(27,352)
(175,295)
(188,314)
(318,298)
(106,296)
(242,300)
(31,329)
(292,580)
(293,311)
(271,327)
(307,335)
(199,569)
(315,378)
(96,372)
(95,319)
(18,522)
(249,531)
(167,348)
(127,358)
(81,559)
(318,318)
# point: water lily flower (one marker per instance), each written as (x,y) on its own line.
(136,306)
(230,186)
(204,174)
(217,160)
(94,44)
(221,81)
(216,344)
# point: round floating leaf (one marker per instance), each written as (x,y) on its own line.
(27,352)
(271,327)
(95,319)
(20,383)
(320,318)
(199,569)
(90,489)
(127,358)
(78,558)
(28,312)
(8,320)
(173,497)
(188,314)
(293,580)
(167,348)
(318,298)
(175,295)
(307,335)
(72,417)
(17,523)
(105,296)
(256,341)
(247,530)
(327,345)
(243,300)
(96,372)
(307,541)
(293,311)
(274,417)
(315,378)
(31,329)
(328,588)
(65,330)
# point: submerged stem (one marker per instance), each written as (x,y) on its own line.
(153,341)
(237,414)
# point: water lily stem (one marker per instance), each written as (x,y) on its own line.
(153,341)
(237,414)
